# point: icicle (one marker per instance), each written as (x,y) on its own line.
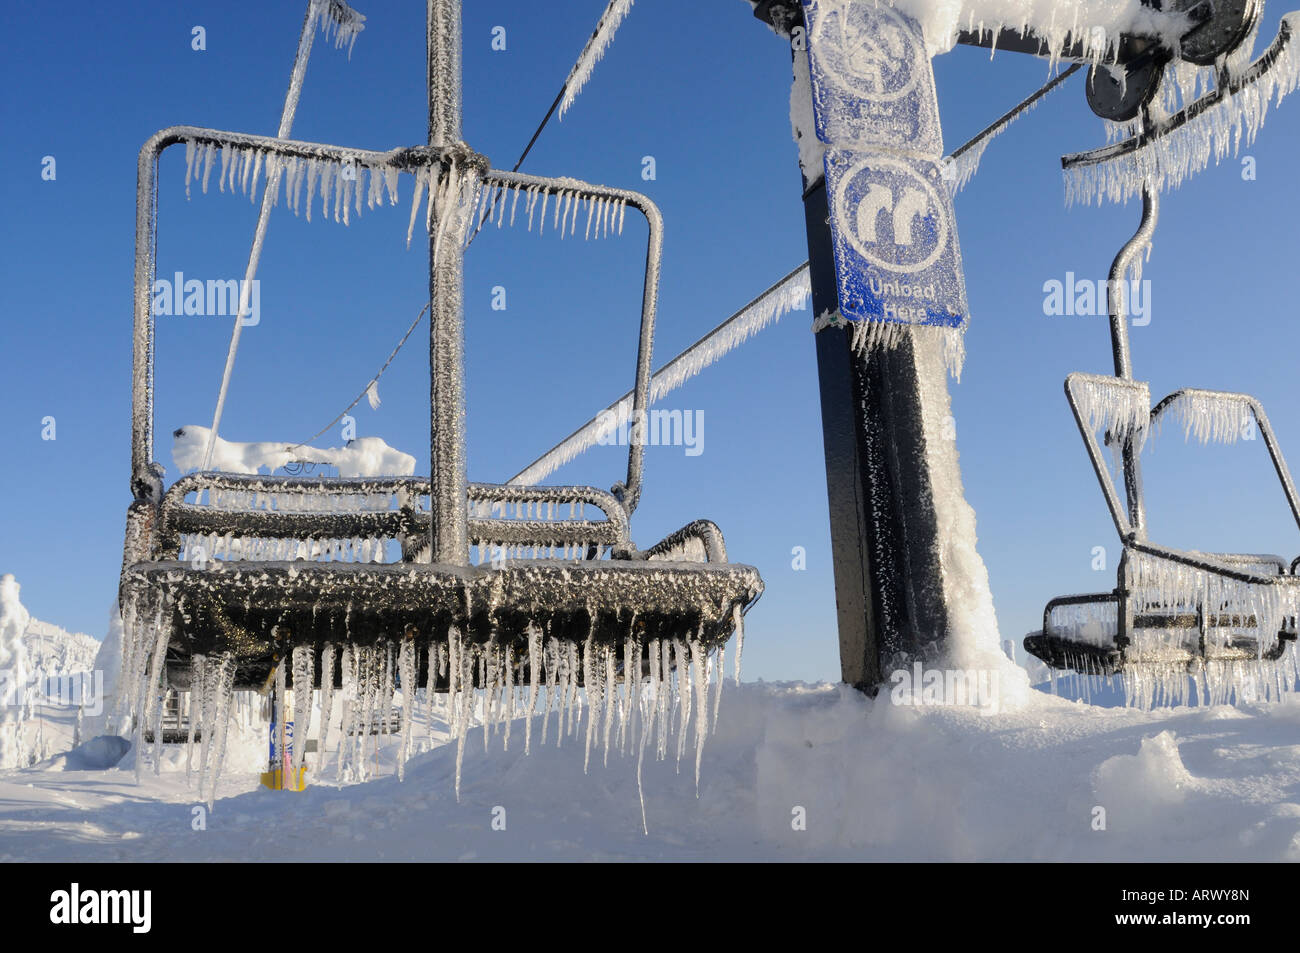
(701,703)
(662,695)
(510,694)
(609,695)
(514,204)
(313,172)
(189,165)
(719,678)
(326,697)
(304,678)
(465,682)
(198,674)
(421,179)
(221,722)
(684,696)
(207,165)
(1110,405)
(226,149)
(738,619)
(534,680)
(593,696)
(326,187)
(552,677)
(257,173)
(1213,416)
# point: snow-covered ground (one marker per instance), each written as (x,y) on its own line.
(870,779)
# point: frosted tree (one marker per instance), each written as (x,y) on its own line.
(13,674)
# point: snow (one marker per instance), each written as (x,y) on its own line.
(941,783)
(594,51)
(803,122)
(362,457)
(972,642)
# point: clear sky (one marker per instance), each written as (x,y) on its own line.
(704,89)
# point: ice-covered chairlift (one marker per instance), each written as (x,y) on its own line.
(266,591)
(1171,609)
(1170,606)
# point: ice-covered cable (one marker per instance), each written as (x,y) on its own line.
(961,166)
(594,50)
(791,293)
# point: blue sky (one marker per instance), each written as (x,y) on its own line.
(704,89)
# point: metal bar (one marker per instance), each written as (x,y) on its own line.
(629,491)
(1119,271)
(1265,428)
(145,481)
(447,468)
(407,159)
(146,475)
(1117,512)
(290,109)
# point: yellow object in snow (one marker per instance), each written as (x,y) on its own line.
(275,780)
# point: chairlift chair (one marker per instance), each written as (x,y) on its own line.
(1172,611)
(304,563)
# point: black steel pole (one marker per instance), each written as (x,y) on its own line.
(889,595)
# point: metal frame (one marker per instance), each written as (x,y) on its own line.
(147,474)
(256,609)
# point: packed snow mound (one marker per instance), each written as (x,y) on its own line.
(1135,788)
(97,754)
(362,457)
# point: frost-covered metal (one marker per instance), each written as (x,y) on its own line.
(239,581)
(1180,625)
(1164,149)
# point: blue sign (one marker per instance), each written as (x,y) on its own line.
(897,258)
(288,743)
(872,82)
